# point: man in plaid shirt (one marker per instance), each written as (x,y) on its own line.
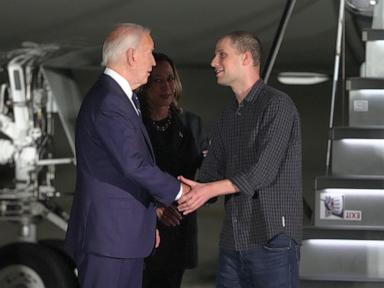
(255,161)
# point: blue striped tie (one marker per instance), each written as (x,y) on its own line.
(136,101)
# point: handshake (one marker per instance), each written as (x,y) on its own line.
(194,195)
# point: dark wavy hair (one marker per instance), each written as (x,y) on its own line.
(161,57)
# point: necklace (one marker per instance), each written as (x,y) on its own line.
(162,125)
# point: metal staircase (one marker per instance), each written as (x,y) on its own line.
(347,240)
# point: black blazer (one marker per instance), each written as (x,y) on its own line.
(178,152)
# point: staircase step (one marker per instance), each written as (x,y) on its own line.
(372,34)
(342,260)
(366,101)
(357,151)
(350,182)
(313,232)
(374,58)
(358,83)
(349,202)
(345,132)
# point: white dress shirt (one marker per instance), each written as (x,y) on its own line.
(123,83)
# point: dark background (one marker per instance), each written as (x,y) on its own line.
(187,31)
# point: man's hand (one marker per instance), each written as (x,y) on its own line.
(196,198)
(169,216)
(186,188)
(202,192)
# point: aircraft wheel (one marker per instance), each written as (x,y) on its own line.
(58,246)
(30,265)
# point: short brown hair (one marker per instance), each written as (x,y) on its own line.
(244,41)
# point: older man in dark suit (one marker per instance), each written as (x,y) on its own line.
(112,221)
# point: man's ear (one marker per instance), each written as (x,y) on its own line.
(130,56)
(247,58)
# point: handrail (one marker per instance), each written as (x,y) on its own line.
(339,38)
(270,61)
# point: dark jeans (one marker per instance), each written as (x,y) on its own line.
(273,266)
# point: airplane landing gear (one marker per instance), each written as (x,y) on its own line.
(32,265)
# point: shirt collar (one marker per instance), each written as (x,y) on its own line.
(123,83)
(255,91)
(251,96)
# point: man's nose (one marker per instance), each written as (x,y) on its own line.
(214,62)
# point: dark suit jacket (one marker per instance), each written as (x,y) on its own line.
(117,179)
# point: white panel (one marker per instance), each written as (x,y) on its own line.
(375,59)
(358,157)
(342,260)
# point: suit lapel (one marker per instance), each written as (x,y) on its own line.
(146,137)
(132,110)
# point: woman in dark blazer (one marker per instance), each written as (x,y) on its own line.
(176,136)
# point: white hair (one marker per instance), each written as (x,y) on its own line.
(123,37)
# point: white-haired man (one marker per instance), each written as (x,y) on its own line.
(112,221)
